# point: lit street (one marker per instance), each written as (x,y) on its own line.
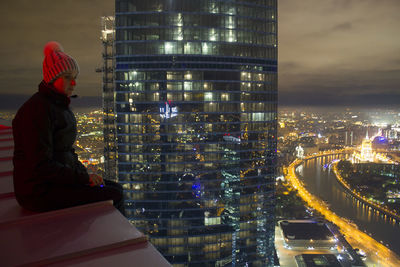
(378,254)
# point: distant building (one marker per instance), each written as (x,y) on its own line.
(310,243)
(391,132)
(311,149)
(366,150)
(369,151)
(378,169)
(307,146)
(299,152)
(195,126)
(380,143)
(315,260)
(307,234)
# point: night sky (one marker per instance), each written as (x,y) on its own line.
(331,52)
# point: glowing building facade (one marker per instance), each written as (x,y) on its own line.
(366,150)
(196,113)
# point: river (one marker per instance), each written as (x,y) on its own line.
(322,183)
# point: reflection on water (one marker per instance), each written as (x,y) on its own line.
(323,184)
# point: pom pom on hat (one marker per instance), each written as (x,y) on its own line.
(56,62)
(52,47)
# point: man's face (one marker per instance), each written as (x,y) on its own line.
(65,84)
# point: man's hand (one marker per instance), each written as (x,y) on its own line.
(95,180)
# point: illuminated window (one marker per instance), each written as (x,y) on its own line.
(231,10)
(174,86)
(156,97)
(187,86)
(179,20)
(154,86)
(213,8)
(174,75)
(169,47)
(178,34)
(212,35)
(206,48)
(187,96)
(188,76)
(230,22)
(258,116)
(231,36)
(208,96)
(225,97)
(192,48)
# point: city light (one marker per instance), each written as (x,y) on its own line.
(354,236)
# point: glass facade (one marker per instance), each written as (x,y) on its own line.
(196,111)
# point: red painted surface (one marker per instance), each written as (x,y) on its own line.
(6,148)
(6,159)
(6,173)
(89,235)
(4,127)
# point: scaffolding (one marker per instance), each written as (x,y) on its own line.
(109,130)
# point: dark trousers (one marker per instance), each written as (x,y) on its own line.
(65,196)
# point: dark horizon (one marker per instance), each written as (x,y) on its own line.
(12,102)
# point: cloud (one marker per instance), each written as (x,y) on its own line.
(350,45)
(324,33)
(28,25)
(342,27)
(345,45)
(332,98)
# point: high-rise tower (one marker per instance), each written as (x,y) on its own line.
(109,131)
(196,111)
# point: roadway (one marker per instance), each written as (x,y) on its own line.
(378,254)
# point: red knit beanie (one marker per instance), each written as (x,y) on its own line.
(56,62)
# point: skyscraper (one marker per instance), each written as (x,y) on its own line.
(195,110)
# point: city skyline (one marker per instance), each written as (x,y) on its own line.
(311,129)
(190,125)
(339,52)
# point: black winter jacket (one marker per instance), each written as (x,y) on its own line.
(44,130)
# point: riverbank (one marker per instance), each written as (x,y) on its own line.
(377,253)
(362,198)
